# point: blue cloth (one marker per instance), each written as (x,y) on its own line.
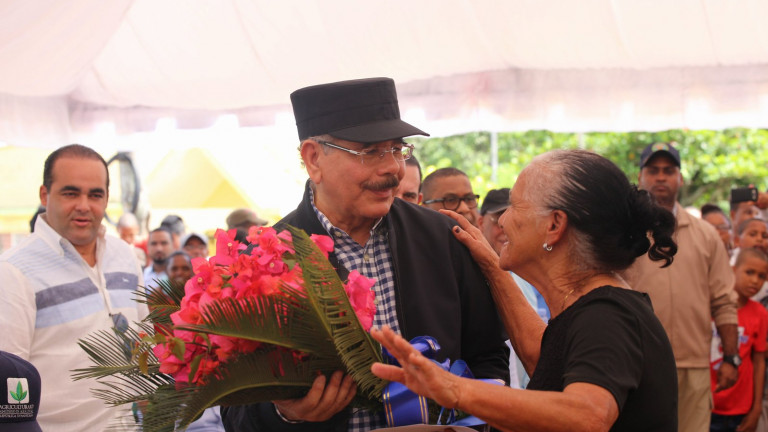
(536,301)
(210,421)
(725,423)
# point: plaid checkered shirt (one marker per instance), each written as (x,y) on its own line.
(372,260)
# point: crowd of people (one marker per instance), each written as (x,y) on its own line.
(599,304)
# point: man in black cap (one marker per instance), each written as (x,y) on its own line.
(689,294)
(426,282)
(494,205)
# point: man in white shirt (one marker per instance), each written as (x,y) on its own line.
(64,282)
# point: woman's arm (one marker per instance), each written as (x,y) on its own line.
(580,407)
(523,325)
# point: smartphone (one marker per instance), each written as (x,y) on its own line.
(743,194)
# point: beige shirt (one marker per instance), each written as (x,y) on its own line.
(696,289)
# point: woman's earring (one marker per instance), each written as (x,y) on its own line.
(547,247)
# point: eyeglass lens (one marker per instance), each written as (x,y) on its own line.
(453,202)
(375,155)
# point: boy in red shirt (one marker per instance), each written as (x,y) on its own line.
(738,408)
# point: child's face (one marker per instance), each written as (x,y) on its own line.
(754,236)
(744,210)
(750,276)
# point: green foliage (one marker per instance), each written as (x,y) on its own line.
(713,161)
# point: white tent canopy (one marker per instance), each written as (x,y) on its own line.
(71,66)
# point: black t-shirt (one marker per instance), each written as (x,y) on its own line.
(611,338)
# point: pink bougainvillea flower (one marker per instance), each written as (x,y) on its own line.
(189,312)
(268,266)
(224,346)
(293,278)
(323,242)
(227,248)
(254,233)
(207,278)
(361,297)
(205,368)
(268,285)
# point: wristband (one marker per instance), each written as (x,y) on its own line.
(734,360)
(282,417)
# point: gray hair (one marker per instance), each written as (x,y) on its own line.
(550,175)
(127,220)
(609,219)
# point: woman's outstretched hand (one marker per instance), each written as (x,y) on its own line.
(420,374)
(475,241)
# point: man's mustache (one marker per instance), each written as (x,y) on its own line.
(388,183)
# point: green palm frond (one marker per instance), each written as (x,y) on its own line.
(124,389)
(165,407)
(279,320)
(108,349)
(162,300)
(358,351)
(256,381)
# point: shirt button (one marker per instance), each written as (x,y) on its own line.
(366,257)
(337,233)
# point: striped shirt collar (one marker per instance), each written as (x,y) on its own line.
(61,245)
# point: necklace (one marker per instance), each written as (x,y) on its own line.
(562,308)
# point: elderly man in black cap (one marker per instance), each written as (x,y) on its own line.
(426,282)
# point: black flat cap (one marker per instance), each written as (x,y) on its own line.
(364,111)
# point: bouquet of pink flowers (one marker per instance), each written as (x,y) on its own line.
(255,323)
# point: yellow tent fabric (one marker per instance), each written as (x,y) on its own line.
(21,174)
(193,179)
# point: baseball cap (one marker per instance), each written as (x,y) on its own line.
(244,218)
(186,238)
(652,149)
(20,401)
(495,201)
(363,111)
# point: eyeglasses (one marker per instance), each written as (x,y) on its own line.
(400,152)
(452,202)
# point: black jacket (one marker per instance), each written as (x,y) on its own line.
(439,290)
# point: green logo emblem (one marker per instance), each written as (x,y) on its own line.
(21,393)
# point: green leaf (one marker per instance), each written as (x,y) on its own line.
(194,366)
(178,347)
(20,394)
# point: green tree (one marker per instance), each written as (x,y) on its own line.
(712,161)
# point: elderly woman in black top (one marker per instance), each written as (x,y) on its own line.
(604,361)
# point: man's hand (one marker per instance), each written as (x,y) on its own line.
(727,376)
(749,422)
(762,200)
(322,401)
